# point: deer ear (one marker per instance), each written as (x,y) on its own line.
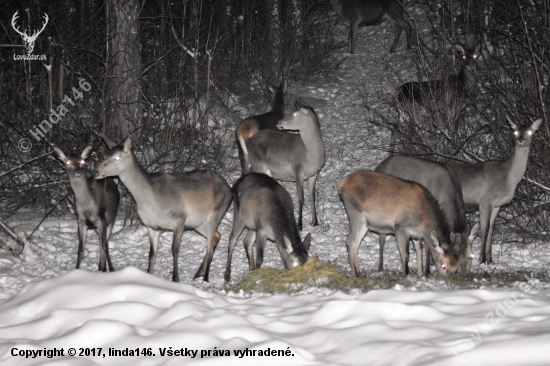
(128,145)
(107,141)
(512,124)
(59,153)
(535,126)
(460,49)
(86,152)
(271,89)
(437,246)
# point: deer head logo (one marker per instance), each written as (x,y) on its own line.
(28,40)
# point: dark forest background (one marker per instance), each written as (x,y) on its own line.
(176,76)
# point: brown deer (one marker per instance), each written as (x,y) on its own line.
(265,207)
(291,157)
(196,200)
(388,205)
(357,13)
(447,192)
(489,185)
(96,204)
(251,125)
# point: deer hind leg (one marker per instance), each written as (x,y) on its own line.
(382,242)
(485,213)
(108,236)
(311,186)
(259,244)
(208,230)
(357,231)
(238,227)
(353,28)
(403,246)
(300,193)
(249,248)
(418,247)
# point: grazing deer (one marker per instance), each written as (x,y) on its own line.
(356,13)
(444,97)
(196,200)
(291,157)
(251,125)
(447,192)
(489,185)
(264,207)
(96,204)
(388,205)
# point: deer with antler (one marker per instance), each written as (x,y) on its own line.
(28,40)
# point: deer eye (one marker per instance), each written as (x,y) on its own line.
(443,265)
(516,133)
(82,162)
(116,157)
(68,162)
(294,114)
(529,132)
(472,256)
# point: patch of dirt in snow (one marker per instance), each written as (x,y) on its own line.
(367,78)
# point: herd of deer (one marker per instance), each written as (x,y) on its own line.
(411,198)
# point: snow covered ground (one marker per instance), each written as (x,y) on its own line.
(46,304)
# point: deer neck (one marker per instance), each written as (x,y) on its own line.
(313,141)
(81,188)
(518,164)
(137,181)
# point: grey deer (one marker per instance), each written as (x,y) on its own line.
(489,185)
(388,205)
(196,200)
(291,157)
(96,204)
(447,192)
(251,125)
(356,13)
(265,208)
(442,98)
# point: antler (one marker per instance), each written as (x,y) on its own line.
(25,35)
(13,19)
(36,33)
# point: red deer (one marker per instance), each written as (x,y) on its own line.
(448,194)
(264,207)
(489,185)
(251,125)
(440,99)
(96,204)
(291,157)
(357,13)
(196,200)
(388,205)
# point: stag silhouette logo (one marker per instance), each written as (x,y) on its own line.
(28,40)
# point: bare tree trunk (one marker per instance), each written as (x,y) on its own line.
(274,43)
(122,89)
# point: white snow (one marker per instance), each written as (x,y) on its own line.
(45,304)
(130,309)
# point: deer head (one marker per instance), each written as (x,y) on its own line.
(28,40)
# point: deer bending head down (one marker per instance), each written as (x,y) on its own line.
(388,205)
(29,40)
